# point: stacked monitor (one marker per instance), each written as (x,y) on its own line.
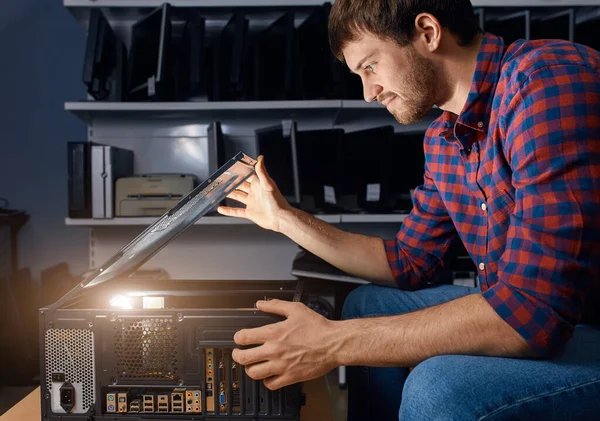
(331,171)
(511,27)
(105,63)
(150,75)
(274,55)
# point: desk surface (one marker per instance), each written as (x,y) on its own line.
(317,407)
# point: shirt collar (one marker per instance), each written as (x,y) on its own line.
(476,113)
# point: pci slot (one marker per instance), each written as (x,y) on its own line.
(236,397)
(210,380)
(111,403)
(192,401)
(223,381)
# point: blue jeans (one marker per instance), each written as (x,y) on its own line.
(458,387)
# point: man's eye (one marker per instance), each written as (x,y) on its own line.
(370,67)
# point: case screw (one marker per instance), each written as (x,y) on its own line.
(51,325)
(47,396)
(90,324)
(113,317)
(179,317)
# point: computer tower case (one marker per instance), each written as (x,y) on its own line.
(117,347)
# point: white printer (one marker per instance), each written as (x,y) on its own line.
(151,194)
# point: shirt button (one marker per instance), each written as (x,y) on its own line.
(483,207)
(482,266)
(480,124)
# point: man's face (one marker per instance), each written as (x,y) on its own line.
(398,77)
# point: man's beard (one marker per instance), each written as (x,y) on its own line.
(420,88)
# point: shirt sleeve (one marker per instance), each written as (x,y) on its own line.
(418,249)
(551,262)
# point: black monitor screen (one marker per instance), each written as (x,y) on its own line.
(150,39)
(365,163)
(190,80)
(277,150)
(105,60)
(274,52)
(318,153)
(511,27)
(320,77)
(586,33)
(557,26)
(409,166)
(229,73)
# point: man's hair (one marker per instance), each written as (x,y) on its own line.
(395,20)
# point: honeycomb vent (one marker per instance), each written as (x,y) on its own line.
(146,348)
(71,351)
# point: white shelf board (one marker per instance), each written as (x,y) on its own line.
(296,3)
(90,110)
(146,221)
(373,218)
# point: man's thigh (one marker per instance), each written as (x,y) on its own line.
(457,387)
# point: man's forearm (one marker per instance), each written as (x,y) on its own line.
(355,254)
(467,326)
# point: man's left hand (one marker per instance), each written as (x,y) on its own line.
(297,349)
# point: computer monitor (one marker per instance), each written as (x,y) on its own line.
(230,72)
(105,64)
(559,25)
(511,27)
(274,52)
(149,74)
(190,66)
(408,169)
(321,75)
(365,187)
(319,157)
(586,32)
(278,145)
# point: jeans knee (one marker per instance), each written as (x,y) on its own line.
(360,302)
(434,391)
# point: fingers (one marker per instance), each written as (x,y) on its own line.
(245,187)
(277,382)
(238,196)
(257,336)
(252,355)
(283,308)
(265,181)
(263,370)
(235,212)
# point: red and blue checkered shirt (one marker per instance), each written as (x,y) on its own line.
(517,176)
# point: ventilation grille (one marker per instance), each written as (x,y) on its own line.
(71,351)
(146,348)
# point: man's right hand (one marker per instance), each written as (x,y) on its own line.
(264,202)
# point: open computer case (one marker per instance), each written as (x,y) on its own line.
(161,349)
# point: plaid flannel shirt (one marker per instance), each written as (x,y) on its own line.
(517,176)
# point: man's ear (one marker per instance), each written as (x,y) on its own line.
(428,31)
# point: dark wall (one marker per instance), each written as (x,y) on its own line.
(42,49)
